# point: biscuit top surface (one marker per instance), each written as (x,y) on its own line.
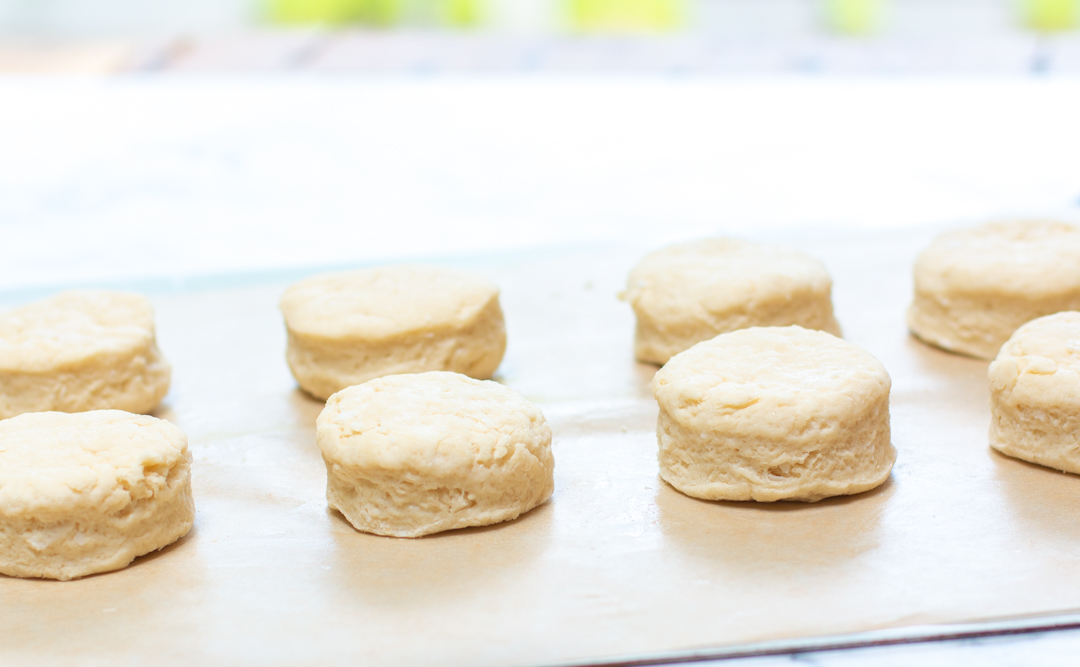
(1023,257)
(383,302)
(100,460)
(1046,346)
(428,421)
(721,274)
(758,374)
(71,327)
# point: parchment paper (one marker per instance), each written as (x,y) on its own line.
(616,564)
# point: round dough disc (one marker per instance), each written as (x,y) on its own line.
(347,328)
(975,287)
(688,293)
(773,413)
(409,455)
(1035,393)
(78,351)
(89,492)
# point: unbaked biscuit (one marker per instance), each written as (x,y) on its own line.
(81,350)
(688,293)
(347,328)
(1035,393)
(409,455)
(89,492)
(773,413)
(975,287)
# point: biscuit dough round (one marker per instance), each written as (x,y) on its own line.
(975,287)
(89,492)
(1035,393)
(81,350)
(773,413)
(688,293)
(347,328)
(410,455)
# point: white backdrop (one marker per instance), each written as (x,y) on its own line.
(104,180)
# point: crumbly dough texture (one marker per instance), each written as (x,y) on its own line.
(347,328)
(773,413)
(81,350)
(410,455)
(1035,393)
(688,293)
(975,287)
(89,492)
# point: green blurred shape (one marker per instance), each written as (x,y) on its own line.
(380,12)
(1052,15)
(335,12)
(463,13)
(625,15)
(853,17)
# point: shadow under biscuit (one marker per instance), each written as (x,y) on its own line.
(305,407)
(1035,495)
(752,536)
(96,614)
(393,572)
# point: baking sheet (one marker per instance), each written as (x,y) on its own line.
(616,563)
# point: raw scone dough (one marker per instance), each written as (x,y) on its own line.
(1035,393)
(975,287)
(409,455)
(773,413)
(688,293)
(81,350)
(347,328)
(89,492)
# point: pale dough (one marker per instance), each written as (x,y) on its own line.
(773,413)
(687,293)
(409,455)
(1035,393)
(975,287)
(347,328)
(89,492)
(81,350)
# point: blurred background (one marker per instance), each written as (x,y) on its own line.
(425,36)
(178,138)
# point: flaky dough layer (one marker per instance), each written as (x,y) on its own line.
(89,492)
(410,455)
(773,413)
(347,328)
(688,293)
(81,350)
(1035,393)
(975,287)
